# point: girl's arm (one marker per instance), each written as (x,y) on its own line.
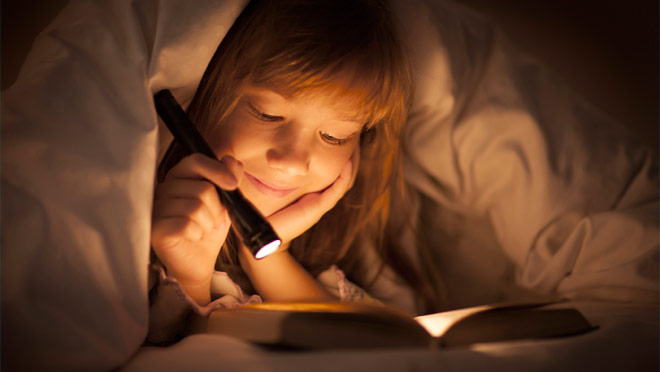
(279,277)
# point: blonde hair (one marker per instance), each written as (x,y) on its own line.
(345,49)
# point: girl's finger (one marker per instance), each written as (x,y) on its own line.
(192,209)
(342,184)
(235,166)
(198,166)
(191,189)
(170,231)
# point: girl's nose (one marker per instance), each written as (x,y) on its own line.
(290,154)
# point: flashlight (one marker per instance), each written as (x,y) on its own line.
(253,229)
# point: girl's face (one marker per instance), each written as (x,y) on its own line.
(288,146)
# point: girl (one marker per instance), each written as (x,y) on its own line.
(304,103)
(515,183)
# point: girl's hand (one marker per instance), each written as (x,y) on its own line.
(279,277)
(189,224)
(298,217)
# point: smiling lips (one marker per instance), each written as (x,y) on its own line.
(274,192)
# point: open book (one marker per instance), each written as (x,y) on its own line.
(356,325)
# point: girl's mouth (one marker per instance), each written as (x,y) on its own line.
(271,191)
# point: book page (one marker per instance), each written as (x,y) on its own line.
(438,323)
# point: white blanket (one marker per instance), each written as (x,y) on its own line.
(507,164)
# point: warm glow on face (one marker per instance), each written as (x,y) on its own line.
(289,147)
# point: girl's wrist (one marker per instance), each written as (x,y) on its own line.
(279,277)
(199,292)
(250,264)
(245,259)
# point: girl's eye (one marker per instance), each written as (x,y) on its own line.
(261,116)
(334,140)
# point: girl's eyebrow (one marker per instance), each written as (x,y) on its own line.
(353,118)
(350,116)
(264,94)
(352,122)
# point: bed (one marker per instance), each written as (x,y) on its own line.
(80,143)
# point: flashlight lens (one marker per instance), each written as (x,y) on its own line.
(268,249)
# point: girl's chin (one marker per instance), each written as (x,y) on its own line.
(268,206)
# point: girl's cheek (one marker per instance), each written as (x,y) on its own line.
(332,167)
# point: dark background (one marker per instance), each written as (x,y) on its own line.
(606,50)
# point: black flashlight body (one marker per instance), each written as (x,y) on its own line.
(253,229)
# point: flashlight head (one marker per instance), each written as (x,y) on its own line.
(267,249)
(253,229)
(263,243)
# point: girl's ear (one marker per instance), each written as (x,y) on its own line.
(368,135)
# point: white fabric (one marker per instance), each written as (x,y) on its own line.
(170,305)
(225,293)
(79,148)
(537,192)
(522,188)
